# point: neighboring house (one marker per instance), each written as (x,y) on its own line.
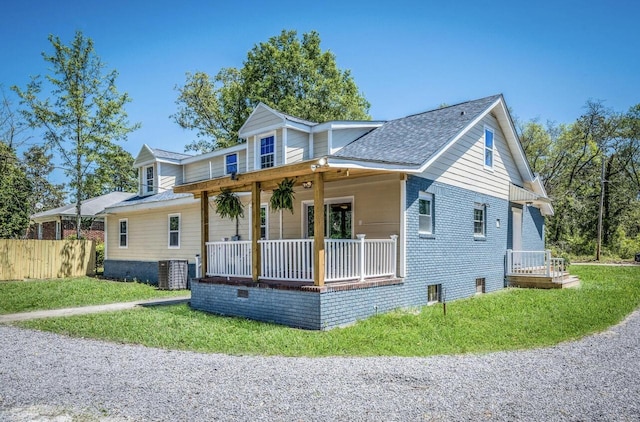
(411,211)
(60,223)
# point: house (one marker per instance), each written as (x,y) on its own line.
(434,206)
(60,223)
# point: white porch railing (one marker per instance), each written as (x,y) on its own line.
(229,259)
(286,259)
(292,259)
(535,263)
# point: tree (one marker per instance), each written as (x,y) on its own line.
(86,115)
(291,75)
(15,191)
(114,172)
(38,167)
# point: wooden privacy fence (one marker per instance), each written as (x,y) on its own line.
(20,259)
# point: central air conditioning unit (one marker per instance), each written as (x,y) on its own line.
(173,274)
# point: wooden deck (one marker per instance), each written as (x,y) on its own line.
(561,280)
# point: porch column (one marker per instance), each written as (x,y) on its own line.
(255,231)
(204,232)
(318,229)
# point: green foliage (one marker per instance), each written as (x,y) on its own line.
(114,173)
(505,320)
(572,160)
(38,166)
(85,114)
(24,296)
(99,254)
(283,196)
(15,192)
(228,205)
(291,75)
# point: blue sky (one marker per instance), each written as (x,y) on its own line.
(547,57)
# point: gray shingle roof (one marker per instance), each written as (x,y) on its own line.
(169,155)
(412,140)
(89,207)
(164,196)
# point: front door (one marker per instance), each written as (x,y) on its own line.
(516,235)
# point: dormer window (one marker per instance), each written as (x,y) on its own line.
(148,179)
(267,152)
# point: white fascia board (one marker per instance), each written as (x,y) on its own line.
(150,205)
(517,151)
(444,148)
(346,125)
(367,165)
(155,160)
(213,154)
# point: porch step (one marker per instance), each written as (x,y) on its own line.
(542,282)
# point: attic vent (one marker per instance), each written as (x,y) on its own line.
(243,293)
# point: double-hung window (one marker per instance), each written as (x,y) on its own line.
(231,163)
(425,213)
(267,152)
(488,148)
(124,232)
(479,220)
(174,230)
(148,179)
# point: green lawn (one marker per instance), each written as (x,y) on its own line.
(24,296)
(505,320)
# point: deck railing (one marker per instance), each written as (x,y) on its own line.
(286,259)
(535,263)
(229,259)
(292,259)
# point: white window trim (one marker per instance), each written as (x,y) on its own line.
(492,149)
(483,207)
(329,201)
(225,162)
(426,196)
(257,161)
(145,180)
(126,220)
(169,216)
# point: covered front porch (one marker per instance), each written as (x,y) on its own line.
(358,242)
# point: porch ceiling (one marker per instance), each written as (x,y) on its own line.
(269,178)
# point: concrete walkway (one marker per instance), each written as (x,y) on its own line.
(52,313)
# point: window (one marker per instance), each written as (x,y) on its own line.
(174,230)
(433,293)
(231,163)
(480,285)
(124,233)
(338,218)
(267,152)
(148,179)
(479,215)
(425,213)
(488,148)
(263,222)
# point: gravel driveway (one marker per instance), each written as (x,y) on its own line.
(47,377)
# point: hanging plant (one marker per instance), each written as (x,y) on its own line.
(282,198)
(228,205)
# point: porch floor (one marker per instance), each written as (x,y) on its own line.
(333,286)
(562,280)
